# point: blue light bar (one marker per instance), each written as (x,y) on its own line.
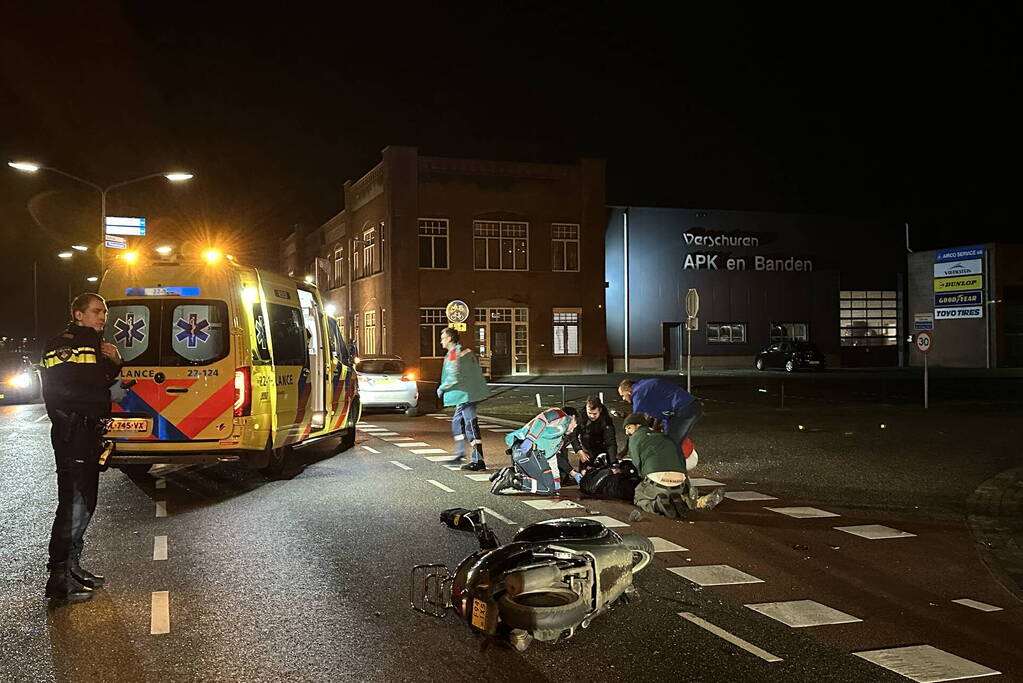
(162,291)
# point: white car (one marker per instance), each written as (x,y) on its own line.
(385,382)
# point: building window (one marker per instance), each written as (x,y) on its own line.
(338,267)
(370,253)
(500,245)
(867,318)
(566,331)
(431,322)
(565,247)
(433,243)
(356,265)
(789,332)
(726,333)
(370,332)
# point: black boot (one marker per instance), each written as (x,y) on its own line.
(84,576)
(61,588)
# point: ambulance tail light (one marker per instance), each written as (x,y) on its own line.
(243,392)
(408,377)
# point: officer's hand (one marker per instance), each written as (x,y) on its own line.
(111,352)
(440,393)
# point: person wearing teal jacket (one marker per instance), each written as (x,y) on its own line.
(463,386)
(534,449)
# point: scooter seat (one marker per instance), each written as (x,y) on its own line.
(565,529)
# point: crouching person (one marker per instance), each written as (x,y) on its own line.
(534,450)
(663,489)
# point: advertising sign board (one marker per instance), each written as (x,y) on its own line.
(958,284)
(958,299)
(959,253)
(954,268)
(923,321)
(959,312)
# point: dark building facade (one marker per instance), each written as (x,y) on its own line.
(522,244)
(761,278)
(975,295)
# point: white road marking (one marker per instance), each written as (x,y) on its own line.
(976,604)
(479,477)
(714,575)
(803,613)
(371,450)
(428,451)
(436,415)
(706,482)
(412,444)
(161,483)
(159,548)
(733,639)
(926,663)
(495,515)
(488,426)
(435,458)
(401,465)
(380,434)
(748,495)
(803,512)
(441,486)
(663,545)
(161,508)
(874,532)
(364,424)
(41,417)
(160,621)
(552,504)
(502,430)
(400,438)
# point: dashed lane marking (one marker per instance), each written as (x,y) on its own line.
(803,512)
(605,520)
(401,465)
(496,515)
(382,434)
(370,449)
(874,532)
(733,639)
(663,545)
(159,622)
(803,613)
(436,415)
(706,482)
(502,430)
(435,458)
(552,504)
(714,575)
(412,444)
(161,508)
(441,486)
(976,604)
(926,663)
(159,548)
(400,438)
(41,418)
(428,451)
(478,477)
(748,495)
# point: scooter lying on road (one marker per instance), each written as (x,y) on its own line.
(554,577)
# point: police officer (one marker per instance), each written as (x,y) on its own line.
(78,369)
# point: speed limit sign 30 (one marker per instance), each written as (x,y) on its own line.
(924,341)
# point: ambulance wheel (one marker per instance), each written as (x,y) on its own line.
(348,440)
(277,461)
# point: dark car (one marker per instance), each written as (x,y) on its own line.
(19,379)
(790,356)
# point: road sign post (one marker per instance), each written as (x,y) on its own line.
(692,310)
(924,341)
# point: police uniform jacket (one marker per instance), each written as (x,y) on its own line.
(76,375)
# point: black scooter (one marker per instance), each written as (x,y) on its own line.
(554,577)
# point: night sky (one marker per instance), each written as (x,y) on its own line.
(907,114)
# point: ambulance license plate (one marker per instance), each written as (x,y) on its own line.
(129,425)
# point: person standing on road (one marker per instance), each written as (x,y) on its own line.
(659,399)
(78,369)
(462,385)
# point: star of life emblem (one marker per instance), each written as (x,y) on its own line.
(129,330)
(193,330)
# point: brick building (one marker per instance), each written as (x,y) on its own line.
(521,243)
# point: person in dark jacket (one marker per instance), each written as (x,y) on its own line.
(78,369)
(594,435)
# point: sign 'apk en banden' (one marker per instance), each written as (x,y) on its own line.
(727,260)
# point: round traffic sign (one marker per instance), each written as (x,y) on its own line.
(457,311)
(924,341)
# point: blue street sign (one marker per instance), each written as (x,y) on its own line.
(125,225)
(111,244)
(959,253)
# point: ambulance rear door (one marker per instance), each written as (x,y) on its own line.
(289,351)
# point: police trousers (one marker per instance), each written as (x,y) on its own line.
(76,448)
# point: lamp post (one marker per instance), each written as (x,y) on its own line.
(28,167)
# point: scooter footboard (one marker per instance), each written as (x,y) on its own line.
(430,589)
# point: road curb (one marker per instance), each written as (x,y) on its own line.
(995,518)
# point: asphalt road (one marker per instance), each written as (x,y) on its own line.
(306,579)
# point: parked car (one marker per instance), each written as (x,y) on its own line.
(790,356)
(19,379)
(385,382)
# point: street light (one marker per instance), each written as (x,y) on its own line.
(173,176)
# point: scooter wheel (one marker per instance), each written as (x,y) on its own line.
(553,610)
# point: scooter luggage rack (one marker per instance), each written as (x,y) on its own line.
(430,590)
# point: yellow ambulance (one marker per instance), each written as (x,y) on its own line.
(223,363)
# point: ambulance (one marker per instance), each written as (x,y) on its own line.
(223,363)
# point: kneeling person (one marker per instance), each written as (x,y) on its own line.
(534,450)
(662,467)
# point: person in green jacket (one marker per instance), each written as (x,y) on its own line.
(663,468)
(463,386)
